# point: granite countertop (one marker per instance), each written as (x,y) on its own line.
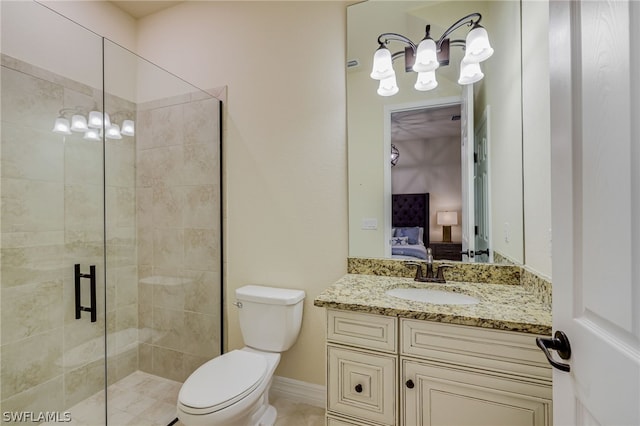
(502,307)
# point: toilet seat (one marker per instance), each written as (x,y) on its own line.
(221,382)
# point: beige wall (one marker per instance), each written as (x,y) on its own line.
(285,145)
(536,136)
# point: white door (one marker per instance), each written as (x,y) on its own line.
(466,152)
(595,116)
(481,179)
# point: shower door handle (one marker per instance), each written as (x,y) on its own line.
(92,278)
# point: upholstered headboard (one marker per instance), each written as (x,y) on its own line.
(411,210)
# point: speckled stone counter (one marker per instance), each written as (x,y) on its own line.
(503,307)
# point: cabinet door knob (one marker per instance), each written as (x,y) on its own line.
(410,384)
(358,388)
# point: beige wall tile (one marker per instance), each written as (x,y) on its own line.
(168,328)
(202,292)
(27,99)
(28,265)
(48,396)
(201,247)
(29,205)
(31,309)
(201,163)
(167,126)
(202,207)
(168,205)
(20,372)
(126,281)
(168,248)
(168,363)
(31,154)
(201,124)
(83,382)
(201,334)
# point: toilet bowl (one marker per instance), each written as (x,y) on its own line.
(230,390)
(233,389)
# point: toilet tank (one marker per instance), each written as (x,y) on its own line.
(270,317)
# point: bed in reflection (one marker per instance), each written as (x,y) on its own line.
(410,226)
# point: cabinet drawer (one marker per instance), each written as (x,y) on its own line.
(515,353)
(362,384)
(336,421)
(440,394)
(363,330)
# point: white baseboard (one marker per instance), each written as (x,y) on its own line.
(298,391)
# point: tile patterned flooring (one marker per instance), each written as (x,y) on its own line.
(142,399)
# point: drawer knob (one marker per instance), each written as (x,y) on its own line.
(410,384)
(358,388)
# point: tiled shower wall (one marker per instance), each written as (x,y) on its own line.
(178,211)
(162,193)
(52,218)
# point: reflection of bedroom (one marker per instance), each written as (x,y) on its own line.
(428,142)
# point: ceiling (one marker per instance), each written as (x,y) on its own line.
(141,8)
(422,124)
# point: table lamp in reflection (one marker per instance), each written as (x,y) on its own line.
(446,220)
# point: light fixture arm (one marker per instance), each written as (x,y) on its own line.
(468,20)
(385,38)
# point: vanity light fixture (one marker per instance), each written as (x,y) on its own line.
(427,56)
(92,124)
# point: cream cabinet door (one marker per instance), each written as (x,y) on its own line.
(362,384)
(436,395)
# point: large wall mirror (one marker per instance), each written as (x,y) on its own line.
(425,130)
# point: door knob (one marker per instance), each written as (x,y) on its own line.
(410,384)
(358,388)
(560,344)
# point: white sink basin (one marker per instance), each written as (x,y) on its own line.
(437,297)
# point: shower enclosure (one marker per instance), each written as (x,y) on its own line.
(111,242)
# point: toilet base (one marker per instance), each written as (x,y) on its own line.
(269,417)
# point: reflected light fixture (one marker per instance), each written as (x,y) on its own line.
(91,124)
(395,155)
(426,57)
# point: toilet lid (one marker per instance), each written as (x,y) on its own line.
(222,381)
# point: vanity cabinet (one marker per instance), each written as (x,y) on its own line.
(460,375)
(362,368)
(386,370)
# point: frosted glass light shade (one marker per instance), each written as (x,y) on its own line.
(128,128)
(113,132)
(470,72)
(382,64)
(388,86)
(477,47)
(79,123)
(426,81)
(95,120)
(92,135)
(61,126)
(426,56)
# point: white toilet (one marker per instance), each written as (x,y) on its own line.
(233,389)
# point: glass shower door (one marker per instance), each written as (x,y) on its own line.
(52,291)
(111,235)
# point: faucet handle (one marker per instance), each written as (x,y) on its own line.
(441,269)
(418,266)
